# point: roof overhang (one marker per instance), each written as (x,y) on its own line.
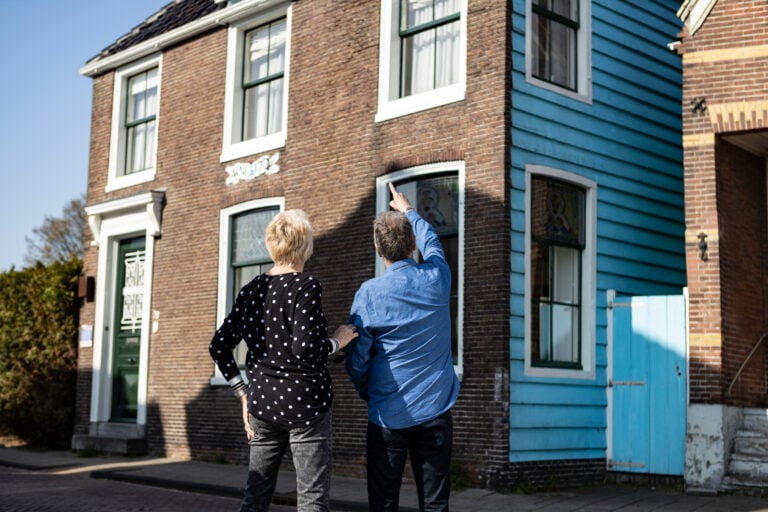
(233,12)
(694,13)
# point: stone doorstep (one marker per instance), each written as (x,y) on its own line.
(129,446)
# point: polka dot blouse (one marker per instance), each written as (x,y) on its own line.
(280,318)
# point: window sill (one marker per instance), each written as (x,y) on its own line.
(419,102)
(130,180)
(252,147)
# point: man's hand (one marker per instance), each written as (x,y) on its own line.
(399,202)
(250,434)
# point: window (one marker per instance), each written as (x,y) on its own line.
(140,121)
(559,274)
(422,55)
(136,100)
(243,255)
(557,242)
(557,46)
(436,191)
(257,85)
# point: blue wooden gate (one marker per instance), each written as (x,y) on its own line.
(647,388)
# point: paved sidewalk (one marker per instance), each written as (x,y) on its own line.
(349,494)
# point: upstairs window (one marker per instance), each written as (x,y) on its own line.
(140,121)
(256,95)
(264,80)
(422,55)
(135,112)
(558,46)
(429,35)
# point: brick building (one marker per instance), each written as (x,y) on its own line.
(210,116)
(725,61)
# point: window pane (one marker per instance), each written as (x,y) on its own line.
(447,71)
(565,329)
(248,231)
(256,111)
(557,212)
(445,8)
(565,285)
(418,63)
(258,54)
(566,8)
(416,12)
(277,47)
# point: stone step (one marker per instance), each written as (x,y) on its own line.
(748,465)
(130,446)
(744,484)
(755,419)
(751,442)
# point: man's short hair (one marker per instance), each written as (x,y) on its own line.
(289,238)
(393,235)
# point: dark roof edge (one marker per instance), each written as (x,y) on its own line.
(133,46)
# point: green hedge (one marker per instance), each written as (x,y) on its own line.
(38,352)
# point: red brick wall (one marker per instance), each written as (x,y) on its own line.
(333,154)
(725,198)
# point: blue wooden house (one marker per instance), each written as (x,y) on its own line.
(597,348)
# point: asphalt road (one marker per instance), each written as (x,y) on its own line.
(40,491)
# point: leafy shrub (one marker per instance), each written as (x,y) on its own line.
(38,352)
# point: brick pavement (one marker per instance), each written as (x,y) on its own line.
(55,470)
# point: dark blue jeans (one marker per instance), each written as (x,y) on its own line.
(311,448)
(429,446)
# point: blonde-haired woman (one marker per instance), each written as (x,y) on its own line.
(287,400)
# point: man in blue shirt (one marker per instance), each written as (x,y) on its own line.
(401,362)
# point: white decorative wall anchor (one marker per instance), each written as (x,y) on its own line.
(246,171)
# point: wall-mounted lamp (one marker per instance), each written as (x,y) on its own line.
(698,104)
(702,246)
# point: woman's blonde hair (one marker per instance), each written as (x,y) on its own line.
(290,238)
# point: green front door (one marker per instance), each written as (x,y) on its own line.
(129,295)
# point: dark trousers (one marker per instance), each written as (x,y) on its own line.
(429,446)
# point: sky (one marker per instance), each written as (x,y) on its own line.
(46,106)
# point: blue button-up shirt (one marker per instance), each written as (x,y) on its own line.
(401,362)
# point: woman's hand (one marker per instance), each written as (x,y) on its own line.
(344,334)
(250,434)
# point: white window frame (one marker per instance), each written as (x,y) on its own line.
(383,197)
(588,275)
(225,291)
(583,90)
(233,148)
(389,69)
(116,178)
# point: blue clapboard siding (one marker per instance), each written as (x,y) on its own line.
(628,141)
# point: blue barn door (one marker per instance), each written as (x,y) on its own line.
(648,385)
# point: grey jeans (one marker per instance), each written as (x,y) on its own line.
(311,449)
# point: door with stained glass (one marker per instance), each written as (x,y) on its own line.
(129,298)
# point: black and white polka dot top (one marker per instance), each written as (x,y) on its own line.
(281,320)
